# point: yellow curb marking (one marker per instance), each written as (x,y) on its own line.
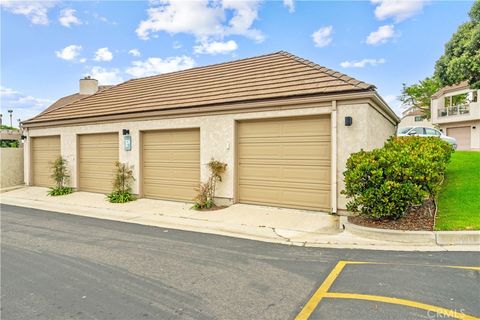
(322,292)
(403,302)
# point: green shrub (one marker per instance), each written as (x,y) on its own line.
(206,191)
(59,191)
(61,177)
(120,197)
(384,183)
(122,190)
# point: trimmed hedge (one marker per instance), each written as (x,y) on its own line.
(384,183)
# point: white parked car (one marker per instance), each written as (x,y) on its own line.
(426,132)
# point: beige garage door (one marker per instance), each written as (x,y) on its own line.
(97,156)
(285,162)
(44,151)
(171,164)
(462,134)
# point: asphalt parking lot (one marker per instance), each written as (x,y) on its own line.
(59,266)
(377,290)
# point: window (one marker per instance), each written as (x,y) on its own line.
(447,102)
(419,118)
(404,130)
(459,99)
(432,132)
(417,130)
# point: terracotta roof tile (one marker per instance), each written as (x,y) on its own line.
(275,75)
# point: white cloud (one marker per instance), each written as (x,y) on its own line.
(398,10)
(35,11)
(103,54)
(134,52)
(105,76)
(290,4)
(69,53)
(153,66)
(24,106)
(382,35)
(103,19)
(67,17)
(322,37)
(362,63)
(202,18)
(215,47)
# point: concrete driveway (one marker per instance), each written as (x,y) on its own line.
(57,266)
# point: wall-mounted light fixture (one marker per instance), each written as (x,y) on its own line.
(474,127)
(348,121)
(125,132)
(23,137)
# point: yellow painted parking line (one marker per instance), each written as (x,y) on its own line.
(474,268)
(403,302)
(308,309)
(322,292)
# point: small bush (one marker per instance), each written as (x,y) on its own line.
(61,177)
(120,197)
(385,182)
(206,191)
(122,190)
(59,191)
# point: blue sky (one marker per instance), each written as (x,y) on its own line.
(47,46)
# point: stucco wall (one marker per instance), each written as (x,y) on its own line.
(369,130)
(474,133)
(217,134)
(409,121)
(11,168)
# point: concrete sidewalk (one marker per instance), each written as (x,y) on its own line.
(287,226)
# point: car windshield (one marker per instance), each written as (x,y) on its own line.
(404,130)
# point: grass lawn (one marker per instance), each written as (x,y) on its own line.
(459,199)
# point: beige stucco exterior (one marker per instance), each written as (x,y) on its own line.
(372,125)
(409,121)
(470,119)
(11,172)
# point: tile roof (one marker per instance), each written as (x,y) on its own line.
(275,75)
(69,99)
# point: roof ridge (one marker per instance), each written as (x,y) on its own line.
(336,74)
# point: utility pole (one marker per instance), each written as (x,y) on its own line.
(11,112)
(19,123)
(1,119)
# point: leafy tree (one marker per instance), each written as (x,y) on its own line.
(419,94)
(61,176)
(461,60)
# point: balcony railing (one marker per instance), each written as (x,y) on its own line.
(454,110)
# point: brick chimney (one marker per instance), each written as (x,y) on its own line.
(88,86)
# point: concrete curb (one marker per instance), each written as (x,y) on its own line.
(414,237)
(6,189)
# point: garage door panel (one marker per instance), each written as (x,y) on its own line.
(173,155)
(300,150)
(301,127)
(462,135)
(45,151)
(171,164)
(284,173)
(97,156)
(183,173)
(285,162)
(287,197)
